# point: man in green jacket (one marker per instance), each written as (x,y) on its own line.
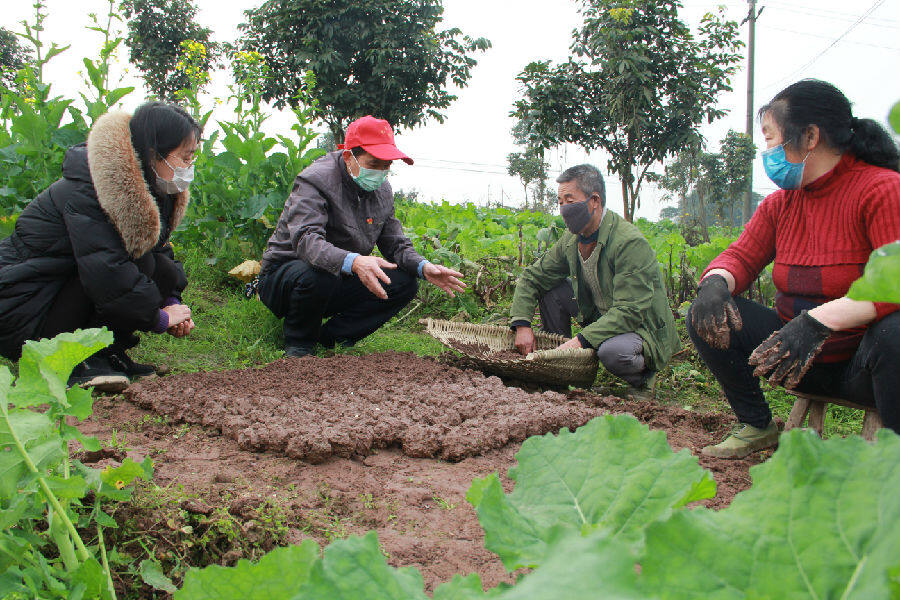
(619,295)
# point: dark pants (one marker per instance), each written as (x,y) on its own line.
(304,296)
(73,309)
(622,355)
(870,378)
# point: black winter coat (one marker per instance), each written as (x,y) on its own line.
(92,223)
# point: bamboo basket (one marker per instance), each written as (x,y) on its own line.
(574,366)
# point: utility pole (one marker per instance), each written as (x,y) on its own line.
(751,17)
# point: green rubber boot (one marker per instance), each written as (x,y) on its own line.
(646,392)
(746,441)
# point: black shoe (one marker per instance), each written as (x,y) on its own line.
(122,362)
(97,372)
(298,351)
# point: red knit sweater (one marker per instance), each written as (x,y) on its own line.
(820,238)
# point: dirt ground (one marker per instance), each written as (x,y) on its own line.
(346,444)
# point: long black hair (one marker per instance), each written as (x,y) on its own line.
(814,102)
(158,128)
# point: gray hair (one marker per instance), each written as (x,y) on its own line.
(587,178)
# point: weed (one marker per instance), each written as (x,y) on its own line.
(368,501)
(443,503)
(117,442)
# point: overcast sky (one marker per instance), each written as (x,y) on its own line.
(465,157)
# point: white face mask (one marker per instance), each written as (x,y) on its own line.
(181,180)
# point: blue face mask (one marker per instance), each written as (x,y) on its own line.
(781,171)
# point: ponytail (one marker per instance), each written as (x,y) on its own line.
(871,143)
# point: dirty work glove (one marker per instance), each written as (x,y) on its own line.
(714,313)
(786,355)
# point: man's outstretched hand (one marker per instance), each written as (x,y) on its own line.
(370,270)
(446,279)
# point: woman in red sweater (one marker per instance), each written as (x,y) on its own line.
(839,200)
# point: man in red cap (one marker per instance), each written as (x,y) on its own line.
(318,263)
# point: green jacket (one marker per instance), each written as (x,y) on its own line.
(633,293)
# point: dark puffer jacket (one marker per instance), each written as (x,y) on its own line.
(93,223)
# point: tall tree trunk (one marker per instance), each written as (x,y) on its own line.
(337,130)
(626,202)
(701,207)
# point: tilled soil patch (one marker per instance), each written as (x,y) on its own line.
(416,505)
(315,408)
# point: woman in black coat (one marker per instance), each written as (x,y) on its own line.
(93,249)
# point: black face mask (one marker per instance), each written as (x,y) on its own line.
(577,215)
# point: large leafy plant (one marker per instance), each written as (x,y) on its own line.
(600,513)
(51,507)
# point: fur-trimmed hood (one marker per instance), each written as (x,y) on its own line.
(122,192)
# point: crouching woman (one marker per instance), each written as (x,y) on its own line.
(93,249)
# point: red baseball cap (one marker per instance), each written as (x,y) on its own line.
(375,137)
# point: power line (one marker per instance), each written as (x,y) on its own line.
(829,47)
(825,37)
(824,12)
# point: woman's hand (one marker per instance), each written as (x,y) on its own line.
(786,355)
(714,314)
(178,313)
(181,330)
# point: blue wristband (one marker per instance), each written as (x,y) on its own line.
(421,269)
(347,267)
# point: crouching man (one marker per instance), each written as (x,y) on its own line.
(603,272)
(318,265)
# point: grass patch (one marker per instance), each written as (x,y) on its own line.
(231,333)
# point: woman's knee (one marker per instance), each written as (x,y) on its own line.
(883,337)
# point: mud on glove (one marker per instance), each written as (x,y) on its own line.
(786,355)
(714,314)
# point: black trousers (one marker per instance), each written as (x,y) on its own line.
(73,309)
(557,308)
(305,295)
(870,377)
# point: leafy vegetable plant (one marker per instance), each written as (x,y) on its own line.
(881,279)
(49,503)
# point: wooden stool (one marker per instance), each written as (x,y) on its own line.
(815,405)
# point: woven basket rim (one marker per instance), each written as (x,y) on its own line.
(547,364)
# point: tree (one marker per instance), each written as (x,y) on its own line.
(709,187)
(381,57)
(156,30)
(638,86)
(681,179)
(737,150)
(13,56)
(530,167)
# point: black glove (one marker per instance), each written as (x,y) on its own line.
(714,313)
(786,355)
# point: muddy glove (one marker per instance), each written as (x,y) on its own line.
(714,313)
(786,355)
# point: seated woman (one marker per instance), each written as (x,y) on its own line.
(93,249)
(840,199)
